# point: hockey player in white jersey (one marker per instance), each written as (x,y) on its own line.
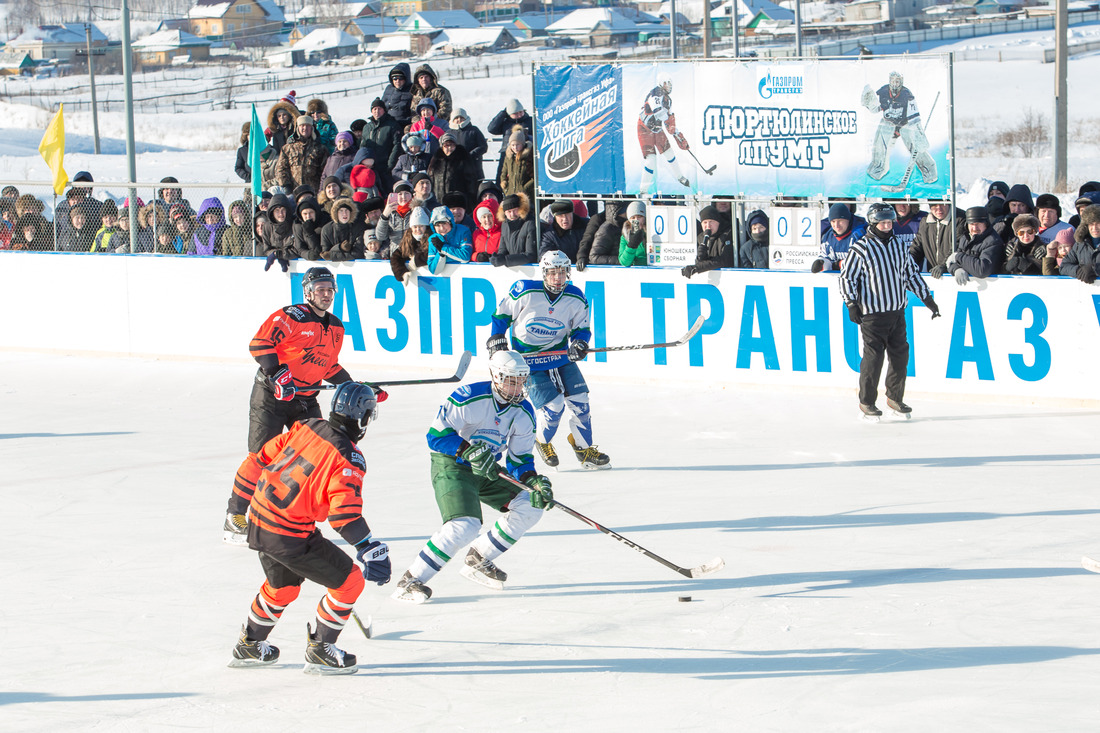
(900,118)
(551,315)
(477,425)
(657,114)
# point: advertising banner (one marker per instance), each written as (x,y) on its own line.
(838,128)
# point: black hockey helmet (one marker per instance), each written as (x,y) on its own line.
(881,212)
(353,406)
(316,275)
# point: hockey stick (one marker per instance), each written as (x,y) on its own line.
(633,347)
(365,629)
(1089,564)
(708,171)
(912,156)
(460,372)
(696,572)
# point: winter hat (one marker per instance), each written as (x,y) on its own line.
(83,176)
(510,201)
(304,190)
(346,137)
(402,186)
(367,150)
(177,211)
(459,112)
(330,179)
(413,140)
(316,105)
(997,186)
(757,217)
(108,208)
(426,102)
(370,236)
(1088,186)
(1049,201)
(441,214)
(277,200)
(419,217)
(377,103)
(1020,192)
(977,214)
(561,206)
(292,97)
(839,211)
(374,203)
(514,105)
(1065,236)
(1090,214)
(455,199)
(489,188)
(418,178)
(1024,220)
(169,179)
(357,125)
(636,208)
(362,180)
(308,204)
(448,137)
(710,212)
(517,136)
(304,120)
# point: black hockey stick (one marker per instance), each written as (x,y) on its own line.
(633,347)
(708,171)
(913,156)
(696,572)
(460,372)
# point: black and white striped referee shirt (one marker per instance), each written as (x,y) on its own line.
(876,274)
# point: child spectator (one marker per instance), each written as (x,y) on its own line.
(412,251)
(413,161)
(344,153)
(32,233)
(105,240)
(505,121)
(430,127)
(322,123)
(632,242)
(278,233)
(1056,251)
(486,237)
(447,243)
(206,240)
(307,230)
(237,239)
(395,216)
(342,238)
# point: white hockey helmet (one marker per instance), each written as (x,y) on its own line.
(554,261)
(664,80)
(896,81)
(509,372)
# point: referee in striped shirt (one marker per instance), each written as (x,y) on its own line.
(873,280)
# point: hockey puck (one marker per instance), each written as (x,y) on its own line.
(684,599)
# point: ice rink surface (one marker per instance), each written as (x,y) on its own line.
(902,576)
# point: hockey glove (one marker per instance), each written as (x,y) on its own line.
(283,384)
(961,276)
(380,395)
(541,495)
(688,270)
(578,350)
(817,266)
(681,141)
(869,99)
(480,458)
(931,305)
(937,271)
(375,557)
(496,342)
(1086,273)
(855,313)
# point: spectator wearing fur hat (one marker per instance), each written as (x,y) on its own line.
(237,239)
(517,173)
(489,189)
(518,245)
(1048,210)
(278,232)
(323,126)
(452,169)
(1024,251)
(715,245)
(370,212)
(565,231)
(398,94)
(755,251)
(1081,261)
(469,136)
(342,238)
(332,188)
(414,160)
(412,251)
(307,230)
(981,252)
(242,168)
(395,215)
(505,121)
(632,242)
(426,86)
(486,231)
(384,133)
(843,231)
(302,160)
(1056,252)
(428,125)
(343,155)
(32,233)
(280,124)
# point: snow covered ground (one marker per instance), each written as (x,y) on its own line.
(902,576)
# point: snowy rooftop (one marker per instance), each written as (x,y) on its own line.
(218,8)
(438,20)
(324,38)
(169,40)
(612,19)
(470,37)
(64,33)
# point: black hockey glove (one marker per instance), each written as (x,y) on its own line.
(578,350)
(282,383)
(930,304)
(496,342)
(375,557)
(855,313)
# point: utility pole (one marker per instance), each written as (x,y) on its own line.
(706,29)
(736,25)
(91,82)
(1061,103)
(128,85)
(798,28)
(672,28)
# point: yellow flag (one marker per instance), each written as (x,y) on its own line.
(52,149)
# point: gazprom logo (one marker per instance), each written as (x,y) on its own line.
(788,80)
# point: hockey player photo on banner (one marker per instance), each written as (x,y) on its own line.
(659,128)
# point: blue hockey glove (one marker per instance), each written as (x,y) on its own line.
(542,497)
(283,383)
(375,557)
(578,350)
(480,458)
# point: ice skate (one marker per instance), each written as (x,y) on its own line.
(870,413)
(590,457)
(900,409)
(411,590)
(235,530)
(252,652)
(324,658)
(482,571)
(547,453)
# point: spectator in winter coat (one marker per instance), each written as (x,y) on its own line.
(243,169)
(505,122)
(1081,261)
(81,195)
(447,243)
(908,222)
(489,189)
(715,248)
(469,136)
(981,253)
(412,251)
(430,127)
(457,202)
(323,126)
(607,225)
(517,172)
(754,247)
(206,239)
(27,204)
(1088,198)
(843,231)
(280,124)
(518,245)
(426,86)
(1057,251)
(413,161)
(370,212)
(106,240)
(331,190)
(1048,210)
(278,233)
(423,192)
(1018,201)
(302,160)
(934,243)
(307,230)
(32,233)
(632,242)
(997,189)
(363,184)
(342,238)
(486,231)
(1024,252)
(237,239)
(143,238)
(565,231)
(451,168)
(343,155)
(80,234)
(398,95)
(383,132)
(183,221)
(395,216)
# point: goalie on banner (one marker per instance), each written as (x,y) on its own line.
(900,118)
(654,120)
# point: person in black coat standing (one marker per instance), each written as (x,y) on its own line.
(398,95)
(503,124)
(383,133)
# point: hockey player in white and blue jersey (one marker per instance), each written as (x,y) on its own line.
(478,424)
(551,315)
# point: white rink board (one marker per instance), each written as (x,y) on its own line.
(1009,336)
